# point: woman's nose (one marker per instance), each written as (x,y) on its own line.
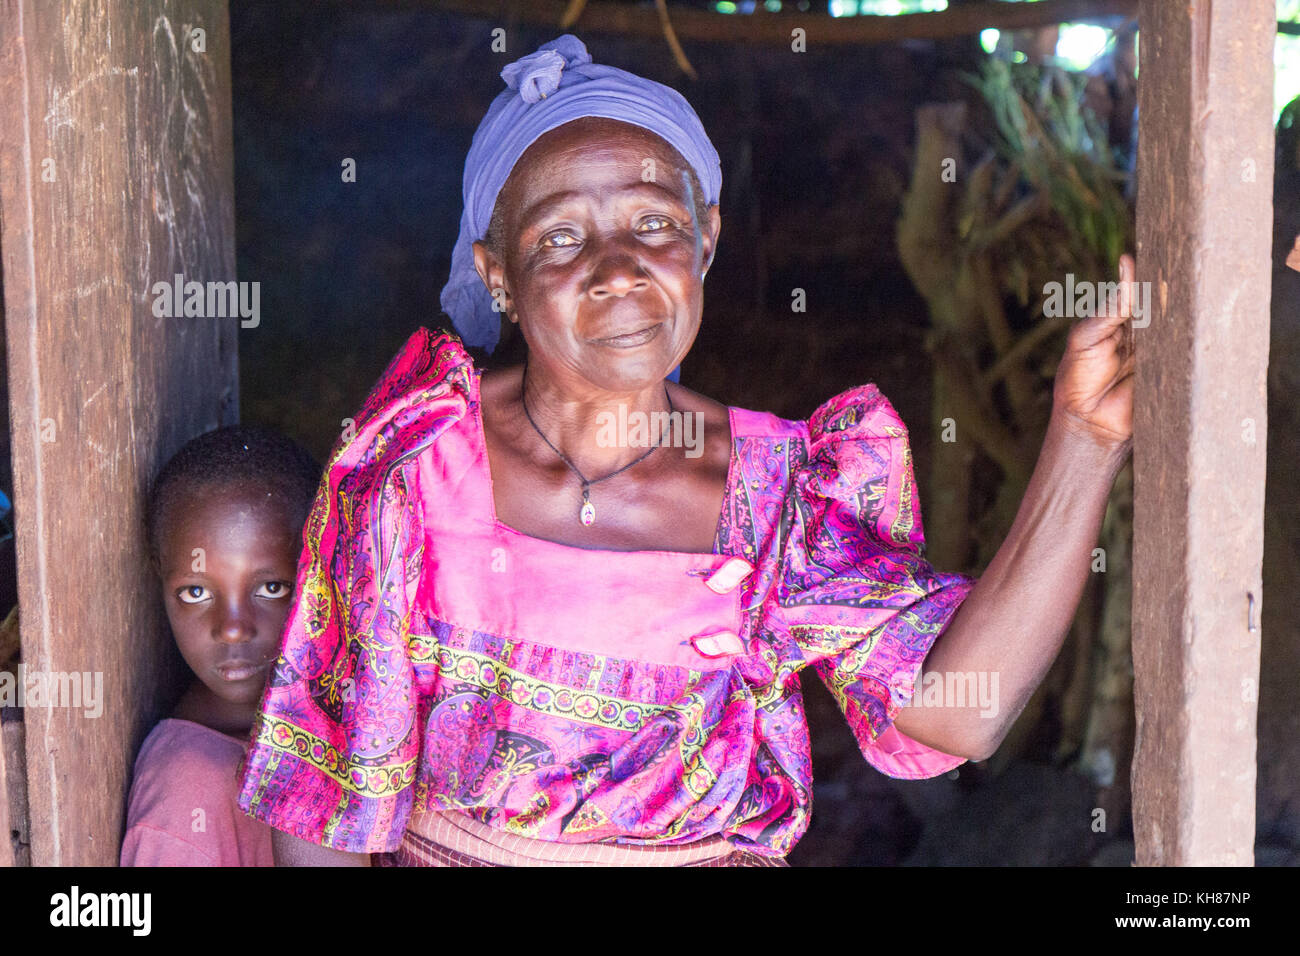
(616,274)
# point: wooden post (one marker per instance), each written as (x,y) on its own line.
(116,173)
(1205,172)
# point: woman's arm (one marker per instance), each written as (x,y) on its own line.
(289,850)
(1011,626)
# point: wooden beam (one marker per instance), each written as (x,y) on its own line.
(116,173)
(697,26)
(1205,172)
(15,834)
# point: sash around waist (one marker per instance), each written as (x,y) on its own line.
(463,834)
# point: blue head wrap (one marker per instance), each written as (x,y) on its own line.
(557,84)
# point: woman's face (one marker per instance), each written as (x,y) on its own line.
(603,255)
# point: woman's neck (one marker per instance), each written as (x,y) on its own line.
(598,432)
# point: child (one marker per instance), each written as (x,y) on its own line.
(225,526)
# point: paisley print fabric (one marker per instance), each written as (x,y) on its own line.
(437,660)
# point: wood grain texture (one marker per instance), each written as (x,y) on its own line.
(15,841)
(1205,171)
(15,838)
(116,172)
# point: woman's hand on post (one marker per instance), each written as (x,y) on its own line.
(1093,395)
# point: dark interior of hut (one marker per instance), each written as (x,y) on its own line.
(815,164)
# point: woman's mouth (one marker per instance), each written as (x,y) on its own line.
(631,340)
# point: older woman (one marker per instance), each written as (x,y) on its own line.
(520,638)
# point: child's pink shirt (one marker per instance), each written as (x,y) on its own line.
(182,810)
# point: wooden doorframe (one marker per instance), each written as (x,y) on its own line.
(116,172)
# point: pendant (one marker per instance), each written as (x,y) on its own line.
(588,513)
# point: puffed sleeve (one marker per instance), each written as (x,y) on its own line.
(854,591)
(336,745)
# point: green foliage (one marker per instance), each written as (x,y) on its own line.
(1045,134)
(1288,137)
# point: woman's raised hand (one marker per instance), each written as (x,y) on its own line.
(1093,395)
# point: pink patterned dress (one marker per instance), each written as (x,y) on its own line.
(437,660)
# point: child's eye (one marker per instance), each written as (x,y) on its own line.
(275,589)
(193,594)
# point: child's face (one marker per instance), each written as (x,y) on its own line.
(228,557)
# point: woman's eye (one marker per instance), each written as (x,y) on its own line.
(548,241)
(664,223)
(275,589)
(193,594)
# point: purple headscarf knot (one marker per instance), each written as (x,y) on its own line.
(555,85)
(537,75)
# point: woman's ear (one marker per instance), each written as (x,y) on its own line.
(493,273)
(712,229)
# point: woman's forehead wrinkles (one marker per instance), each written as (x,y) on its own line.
(618,143)
(646,190)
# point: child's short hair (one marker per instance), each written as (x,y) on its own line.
(236,454)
